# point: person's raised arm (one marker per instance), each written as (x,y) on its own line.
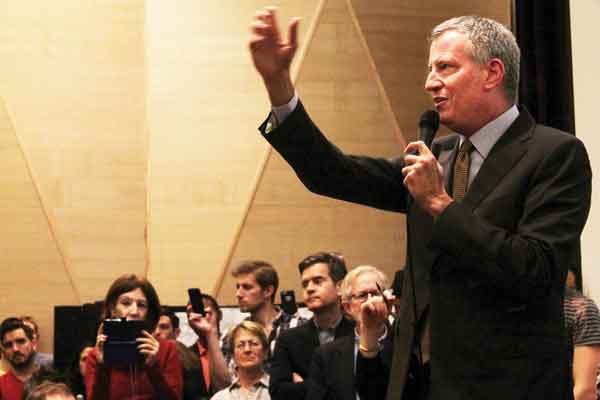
(272,56)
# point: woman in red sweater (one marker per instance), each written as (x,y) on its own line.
(157,375)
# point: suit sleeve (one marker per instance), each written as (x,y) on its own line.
(281,385)
(325,170)
(531,259)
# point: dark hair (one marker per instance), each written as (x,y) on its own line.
(334,261)
(263,272)
(127,283)
(215,306)
(166,311)
(12,324)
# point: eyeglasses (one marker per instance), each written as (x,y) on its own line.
(251,343)
(362,296)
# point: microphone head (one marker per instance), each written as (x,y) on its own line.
(430,119)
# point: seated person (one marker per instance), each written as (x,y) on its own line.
(41,359)
(50,391)
(332,371)
(211,360)
(18,347)
(195,385)
(158,375)
(250,349)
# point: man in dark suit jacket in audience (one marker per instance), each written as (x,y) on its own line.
(332,371)
(322,274)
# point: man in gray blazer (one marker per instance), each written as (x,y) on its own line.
(497,214)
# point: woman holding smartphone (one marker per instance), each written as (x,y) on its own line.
(156,375)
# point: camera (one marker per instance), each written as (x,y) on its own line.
(121,347)
(196,301)
(288,302)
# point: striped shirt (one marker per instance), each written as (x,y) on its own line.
(582,320)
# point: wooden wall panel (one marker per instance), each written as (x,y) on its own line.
(34,275)
(286,222)
(204,104)
(72,77)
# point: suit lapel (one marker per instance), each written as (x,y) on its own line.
(345,367)
(504,155)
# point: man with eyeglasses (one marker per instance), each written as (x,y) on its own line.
(332,371)
(321,274)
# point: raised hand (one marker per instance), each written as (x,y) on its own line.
(148,345)
(272,56)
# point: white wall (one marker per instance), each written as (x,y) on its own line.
(586,64)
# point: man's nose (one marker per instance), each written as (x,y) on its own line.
(432,82)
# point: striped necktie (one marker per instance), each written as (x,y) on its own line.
(461,171)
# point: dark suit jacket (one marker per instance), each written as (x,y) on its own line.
(332,375)
(293,353)
(492,268)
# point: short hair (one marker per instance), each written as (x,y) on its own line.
(489,39)
(251,327)
(29,318)
(335,263)
(127,283)
(167,312)
(346,289)
(214,305)
(12,324)
(264,273)
(47,388)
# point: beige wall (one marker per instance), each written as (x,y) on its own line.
(129,141)
(586,64)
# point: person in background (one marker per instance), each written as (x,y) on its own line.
(50,391)
(158,375)
(41,359)
(250,349)
(582,322)
(321,275)
(18,347)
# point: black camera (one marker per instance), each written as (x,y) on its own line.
(196,301)
(288,302)
(121,347)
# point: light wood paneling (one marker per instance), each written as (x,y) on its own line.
(204,103)
(286,222)
(34,275)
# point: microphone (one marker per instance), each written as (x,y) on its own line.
(428,126)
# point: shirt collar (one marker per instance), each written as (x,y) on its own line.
(333,328)
(485,138)
(263,381)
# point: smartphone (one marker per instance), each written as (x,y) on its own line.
(121,347)
(288,302)
(196,301)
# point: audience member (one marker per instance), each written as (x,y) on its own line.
(256,285)
(41,359)
(41,376)
(250,349)
(583,335)
(321,275)
(215,371)
(18,346)
(194,380)
(50,391)
(158,376)
(332,371)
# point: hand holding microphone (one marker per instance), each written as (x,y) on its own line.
(423,175)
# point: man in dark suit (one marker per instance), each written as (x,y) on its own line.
(322,274)
(497,214)
(332,371)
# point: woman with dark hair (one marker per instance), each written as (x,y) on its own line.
(157,376)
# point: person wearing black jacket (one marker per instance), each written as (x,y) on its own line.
(322,274)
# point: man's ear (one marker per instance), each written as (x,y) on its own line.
(338,287)
(268,291)
(495,74)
